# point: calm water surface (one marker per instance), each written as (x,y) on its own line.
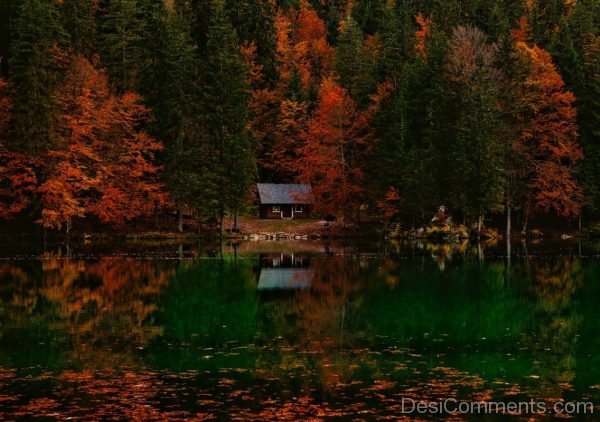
(287,331)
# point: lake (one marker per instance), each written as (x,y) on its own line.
(295,330)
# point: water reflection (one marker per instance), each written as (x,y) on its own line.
(272,332)
(284,271)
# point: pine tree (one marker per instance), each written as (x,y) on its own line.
(120,36)
(166,80)
(576,50)
(8,14)
(356,62)
(36,63)
(79,17)
(224,114)
(254,21)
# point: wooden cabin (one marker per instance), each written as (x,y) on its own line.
(285,201)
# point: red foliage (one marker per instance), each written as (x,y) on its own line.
(302,45)
(523,31)
(390,205)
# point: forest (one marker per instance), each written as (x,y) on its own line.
(112,111)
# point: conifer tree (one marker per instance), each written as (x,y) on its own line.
(224,114)
(36,63)
(120,34)
(79,17)
(166,80)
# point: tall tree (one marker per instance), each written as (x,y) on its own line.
(37,59)
(8,15)
(576,50)
(167,82)
(17,176)
(224,114)
(120,36)
(79,17)
(549,138)
(254,21)
(103,163)
(356,61)
(476,150)
(332,156)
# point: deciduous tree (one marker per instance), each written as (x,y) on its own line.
(335,145)
(103,163)
(549,138)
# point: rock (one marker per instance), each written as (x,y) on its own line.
(566,236)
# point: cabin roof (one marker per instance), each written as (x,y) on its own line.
(281,193)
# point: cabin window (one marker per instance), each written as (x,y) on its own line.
(276,208)
(299,208)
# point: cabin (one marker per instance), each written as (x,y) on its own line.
(285,201)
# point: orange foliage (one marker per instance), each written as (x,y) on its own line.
(335,143)
(422,34)
(255,70)
(302,45)
(523,31)
(288,135)
(549,139)
(103,165)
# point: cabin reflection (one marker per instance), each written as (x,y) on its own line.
(284,272)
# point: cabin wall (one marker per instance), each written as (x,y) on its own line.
(266,212)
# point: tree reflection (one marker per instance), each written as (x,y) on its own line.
(194,338)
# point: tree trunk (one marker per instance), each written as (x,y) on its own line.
(235,220)
(524,231)
(179,219)
(508,223)
(479,224)
(508,259)
(580,223)
(221,218)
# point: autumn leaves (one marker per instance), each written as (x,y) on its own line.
(116,109)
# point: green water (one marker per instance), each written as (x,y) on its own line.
(294,330)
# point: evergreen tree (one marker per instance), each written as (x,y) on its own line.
(576,50)
(79,17)
(369,14)
(8,13)
(355,63)
(254,22)
(224,114)
(120,36)
(37,59)
(166,80)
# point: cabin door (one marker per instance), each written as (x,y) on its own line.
(287,212)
